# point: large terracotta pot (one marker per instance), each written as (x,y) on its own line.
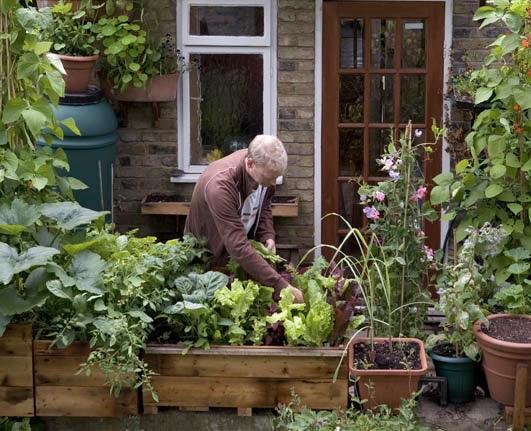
(500,359)
(79,71)
(387,386)
(161,88)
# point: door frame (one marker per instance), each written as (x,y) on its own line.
(318,101)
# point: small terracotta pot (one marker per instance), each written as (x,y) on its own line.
(500,359)
(387,386)
(79,71)
(161,88)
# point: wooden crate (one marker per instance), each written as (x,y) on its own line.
(16,372)
(59,391)
(246,377)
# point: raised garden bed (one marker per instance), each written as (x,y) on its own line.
(245,377)
(60,391)
(16,372)
(159,204)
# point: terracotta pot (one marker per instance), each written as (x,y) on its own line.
(387,386)
(500,359)
(79,71)
(161,88)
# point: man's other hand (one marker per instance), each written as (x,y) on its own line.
(270,244)
(297,294)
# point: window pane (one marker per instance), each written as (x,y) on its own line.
(378,139)
(349,205)
(352,44)
(226,21)
(226,104)
(350,152)
(382,43)
(351,99)
(413,43)
(381,99)
(412,98)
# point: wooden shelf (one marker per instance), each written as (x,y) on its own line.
(280,209)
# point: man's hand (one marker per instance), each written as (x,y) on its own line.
(297,294)
(270,244)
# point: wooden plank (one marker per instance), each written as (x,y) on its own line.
(43,348)
(16,401)
(520,395)
(509,411)
(195,409)
(242,392)
(16,371)
(61,371)
(281,367)
(16,341)
(182,209)
(172,349)
(84,402)
(150,409)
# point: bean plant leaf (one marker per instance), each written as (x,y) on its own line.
(11,302)
(12,263)
(56,288)
(70,215)
(4,321)
(493,190)
(86,269)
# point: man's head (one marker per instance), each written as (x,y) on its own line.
(266,159)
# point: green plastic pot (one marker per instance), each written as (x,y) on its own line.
(461,375)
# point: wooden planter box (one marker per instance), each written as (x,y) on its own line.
(59,391)
(16,371)
(246,377)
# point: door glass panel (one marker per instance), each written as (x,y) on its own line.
(226,21)
(350,152)
(349,205)
(412,93)
(378,139)
(381,99)
(413,44)
(226,107)
(351,99)
(383,33)
(351,47)
(419,137)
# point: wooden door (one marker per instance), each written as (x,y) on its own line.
(382,66)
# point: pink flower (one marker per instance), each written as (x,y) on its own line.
(378,195)
(429,253)
(420,194)
(371,213)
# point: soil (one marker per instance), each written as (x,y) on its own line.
(511,329)
(283,199)
(403,356)
(159,197)
(446,349)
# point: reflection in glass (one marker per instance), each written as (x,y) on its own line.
(378,139)
(350,152)
(413,44)
(412,94)
(226,21)
(351,44)
(351,99)
(349,204)
(381,99)
(226,106)
(382,43)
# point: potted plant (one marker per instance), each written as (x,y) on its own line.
(462,287)
(134,68)
(75,44)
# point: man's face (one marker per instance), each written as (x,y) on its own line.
(260,174)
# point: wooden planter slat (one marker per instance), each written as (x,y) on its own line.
(60,391)
(246,377)
(16,372)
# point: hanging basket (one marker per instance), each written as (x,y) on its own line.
(161,88)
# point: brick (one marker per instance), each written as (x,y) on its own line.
(295,125)
(286,15)
(295,53)
(299,89)
(285,113)
(298,77)
(297,137)
(287,66)
(162,148)
(296,4)
(293,101)
(305,16)
(300,149)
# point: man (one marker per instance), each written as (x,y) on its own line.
(232,202)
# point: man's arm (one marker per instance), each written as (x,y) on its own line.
(222,199)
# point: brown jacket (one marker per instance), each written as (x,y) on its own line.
(215,214)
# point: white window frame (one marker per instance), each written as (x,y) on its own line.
(265,46)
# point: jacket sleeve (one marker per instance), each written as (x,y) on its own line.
(223,199)
(265,229)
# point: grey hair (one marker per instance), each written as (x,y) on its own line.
(268,151)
